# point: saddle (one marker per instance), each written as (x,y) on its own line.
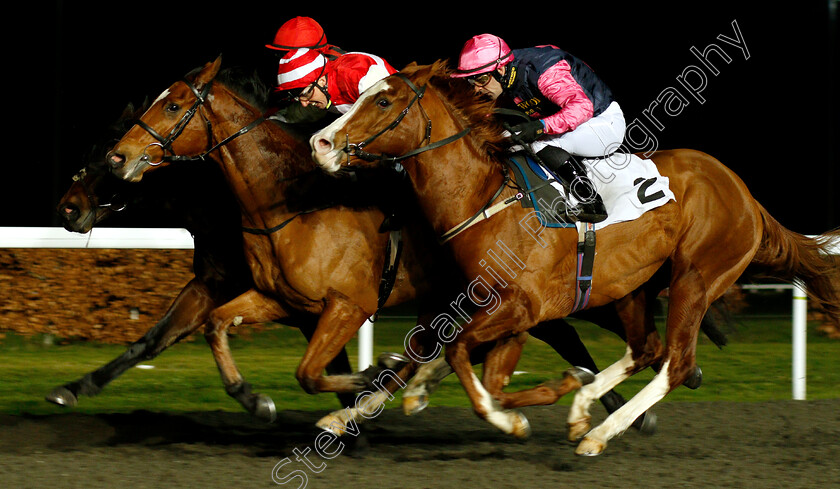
(552,212)
(539,193)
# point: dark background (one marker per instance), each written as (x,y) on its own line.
(73,66)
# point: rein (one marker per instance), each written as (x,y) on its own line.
(486,211)
(165,143)
(358,151)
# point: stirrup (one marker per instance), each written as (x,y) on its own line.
(594,211)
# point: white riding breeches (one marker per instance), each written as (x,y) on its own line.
(598,137)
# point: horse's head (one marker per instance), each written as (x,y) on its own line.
(95,194)
(171,128)
(388,120)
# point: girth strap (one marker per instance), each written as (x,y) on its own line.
(586,260)
(393,250)
(274,229)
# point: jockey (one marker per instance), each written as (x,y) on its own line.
(303,32)
(310,78)
(334,85)
(296,33)
(573,109)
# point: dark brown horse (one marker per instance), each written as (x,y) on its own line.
(191,195)
(706,239)
(321,254)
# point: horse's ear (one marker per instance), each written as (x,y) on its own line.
(128,111)
(209,72)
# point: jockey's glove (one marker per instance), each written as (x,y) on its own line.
(528,132)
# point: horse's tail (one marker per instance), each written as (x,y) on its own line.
(789,256)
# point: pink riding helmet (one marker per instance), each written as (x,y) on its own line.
(481,54)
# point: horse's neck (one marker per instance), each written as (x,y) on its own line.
(455,181)
(261,165)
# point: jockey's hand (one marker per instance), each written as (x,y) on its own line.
(528,132)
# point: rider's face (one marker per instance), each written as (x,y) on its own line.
(314,95)
(487,84)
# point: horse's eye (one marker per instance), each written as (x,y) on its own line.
(172,107)
(383,103)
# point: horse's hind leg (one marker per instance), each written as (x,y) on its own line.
(250,307)
(564,339)
(186,314)
(687,306)
(644,348)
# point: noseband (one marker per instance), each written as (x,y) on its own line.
(357,149)
(165,143)
(115,204)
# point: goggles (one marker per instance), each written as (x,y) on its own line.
(480,80)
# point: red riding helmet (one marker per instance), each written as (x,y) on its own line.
(299,32)
(300,68)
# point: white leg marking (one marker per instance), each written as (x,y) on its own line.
(619,421)
(338,421)
(603,383)
(509,421)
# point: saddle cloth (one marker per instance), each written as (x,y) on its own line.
(628,185)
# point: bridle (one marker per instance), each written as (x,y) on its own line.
(357,149)
(165,143)
(115,204)
(486,211)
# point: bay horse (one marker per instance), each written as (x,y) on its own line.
(312,244)
(193,196)
(446,138)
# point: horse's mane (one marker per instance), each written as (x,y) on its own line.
(476,112)
(245,83)
(313,189)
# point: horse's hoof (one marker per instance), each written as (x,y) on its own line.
(694,380)
(63,397)
(582,375)
(590,447)
(414,404)
(646,423)
(579,429)
(331,423)
(264,408)
(392,361)
(521,426)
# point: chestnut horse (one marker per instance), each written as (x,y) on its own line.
(441,133)
(191,195)
(324,264)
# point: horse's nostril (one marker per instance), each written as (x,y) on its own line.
(68,212)
(116,160)
(323,145)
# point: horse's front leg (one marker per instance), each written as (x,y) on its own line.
(249,308)
(509,318)
(339,321)
(499,365)
(423,347)
(186,314)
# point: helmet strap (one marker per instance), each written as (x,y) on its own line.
(505,79)
(324,90)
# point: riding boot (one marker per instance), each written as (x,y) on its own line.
(590,207)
